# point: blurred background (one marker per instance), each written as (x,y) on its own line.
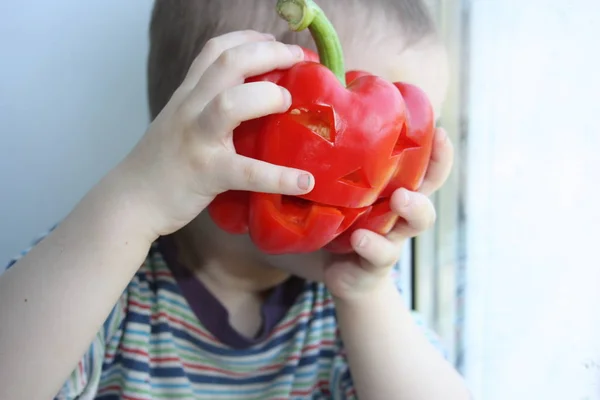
(510,274)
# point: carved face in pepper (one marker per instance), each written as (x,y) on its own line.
(360,136)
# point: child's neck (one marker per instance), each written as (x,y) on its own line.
(238,281)
(242,302)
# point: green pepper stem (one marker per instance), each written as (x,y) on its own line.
(302,14)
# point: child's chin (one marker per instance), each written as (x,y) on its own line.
(308,266)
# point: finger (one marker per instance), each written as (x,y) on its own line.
(238,63)
(416,211)
(236,172)
(378,251)
(440,164)
(241,103)
(213,49)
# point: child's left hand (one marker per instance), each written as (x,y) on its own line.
(351,277)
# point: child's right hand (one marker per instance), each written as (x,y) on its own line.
(187,156)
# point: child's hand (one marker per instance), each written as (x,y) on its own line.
(187,156)
(355,276)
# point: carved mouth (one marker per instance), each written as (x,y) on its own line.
(298,211)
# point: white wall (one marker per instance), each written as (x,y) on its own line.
(533,316)
(72,103)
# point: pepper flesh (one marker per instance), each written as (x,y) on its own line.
(361,137)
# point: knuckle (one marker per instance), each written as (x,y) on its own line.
(214,46)
(282,182)
(250,34)
(268,93)
(190,115)
(201,161)
(276,51)
(252,174)
(225,105)
(282,49)
(184,111)
(228,59)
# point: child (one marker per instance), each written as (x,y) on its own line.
(207,315)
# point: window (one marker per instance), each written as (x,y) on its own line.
(510,274)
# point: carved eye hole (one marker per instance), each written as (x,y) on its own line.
(356,178)
(320,119)
(403,142)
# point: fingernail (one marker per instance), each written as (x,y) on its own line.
(442,135)
(405,198)
(364,240)
(296,51)
(287,97)
(304,181)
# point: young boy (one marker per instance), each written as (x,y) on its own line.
(207,315)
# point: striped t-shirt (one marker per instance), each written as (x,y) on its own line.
(168,338)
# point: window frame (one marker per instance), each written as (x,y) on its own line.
(438,254)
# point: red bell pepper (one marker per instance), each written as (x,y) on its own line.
(361,136)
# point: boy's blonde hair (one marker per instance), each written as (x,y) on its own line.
(180,28)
